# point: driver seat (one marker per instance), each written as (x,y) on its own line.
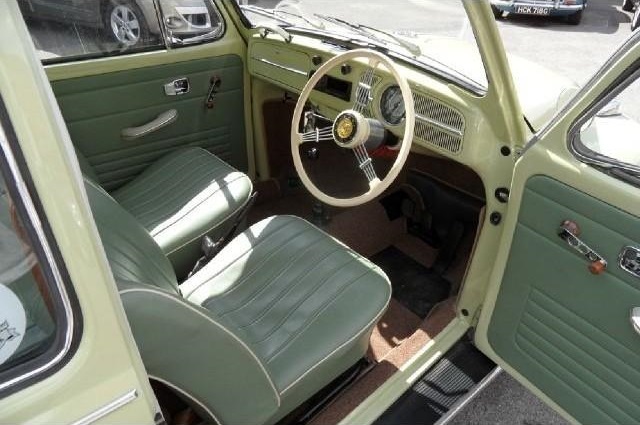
(278,314)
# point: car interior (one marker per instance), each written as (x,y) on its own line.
(313,226)
(250,299)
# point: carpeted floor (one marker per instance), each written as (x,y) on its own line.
(437,320)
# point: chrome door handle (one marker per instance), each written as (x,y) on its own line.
(177,87)
(635,319)
(629,260)
(570,232)
(162,120)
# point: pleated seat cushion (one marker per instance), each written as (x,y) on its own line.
(182,197)
(305,303)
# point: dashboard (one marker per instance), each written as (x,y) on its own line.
(444,111)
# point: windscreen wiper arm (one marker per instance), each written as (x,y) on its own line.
(269,13)
(413,48)
(368,31)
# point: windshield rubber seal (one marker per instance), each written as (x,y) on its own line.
(589,156)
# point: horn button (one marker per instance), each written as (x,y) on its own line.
(349,129)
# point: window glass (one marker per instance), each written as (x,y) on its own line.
(64,30)
(88,28)
(27,312)
(191,21)
(614,131)
(433,33)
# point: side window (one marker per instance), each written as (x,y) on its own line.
(67,30)
(612,133)
(36,319)
(191,21)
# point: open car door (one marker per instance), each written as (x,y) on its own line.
(560,314)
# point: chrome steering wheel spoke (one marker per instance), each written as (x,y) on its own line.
(365,85)
(365,164)
(323,134)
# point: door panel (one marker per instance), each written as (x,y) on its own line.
(563,328)
(97,108)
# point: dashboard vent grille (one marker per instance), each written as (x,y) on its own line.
(438,124)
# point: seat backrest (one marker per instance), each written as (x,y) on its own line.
(133,254)
(182,344)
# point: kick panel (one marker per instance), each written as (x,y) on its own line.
(98,108)
(565,329)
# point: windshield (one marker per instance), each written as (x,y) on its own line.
(434,33)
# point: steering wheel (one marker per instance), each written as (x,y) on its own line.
(352,130)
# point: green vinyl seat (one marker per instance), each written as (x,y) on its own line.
(181,197)
(278,314)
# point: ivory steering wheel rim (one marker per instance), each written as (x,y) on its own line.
(376,186)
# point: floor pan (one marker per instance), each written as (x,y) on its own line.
(415,286)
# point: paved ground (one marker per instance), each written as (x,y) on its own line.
(505,402)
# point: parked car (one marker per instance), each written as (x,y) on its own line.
(485,219)
(127,22)
(572,9)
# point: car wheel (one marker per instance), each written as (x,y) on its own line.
(497,13)
(627,5)
(575,18)
(124,22)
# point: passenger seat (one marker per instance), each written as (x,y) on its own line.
(183,196)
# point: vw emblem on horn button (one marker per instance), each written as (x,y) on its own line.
(345,128)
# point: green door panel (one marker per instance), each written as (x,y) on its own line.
(565,330)
(97,108)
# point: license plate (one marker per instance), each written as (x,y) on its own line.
(533,10)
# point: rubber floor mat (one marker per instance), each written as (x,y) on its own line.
(416,287)
(450,379)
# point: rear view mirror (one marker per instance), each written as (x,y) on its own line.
(610,109)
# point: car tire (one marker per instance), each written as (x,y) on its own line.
(124,23)
(575,18)
(627,5)
(497,13)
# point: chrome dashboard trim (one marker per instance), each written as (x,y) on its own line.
(110,407)
(283,67)
(439,125)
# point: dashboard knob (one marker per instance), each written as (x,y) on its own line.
(345,69)
(316,60)
(313,154)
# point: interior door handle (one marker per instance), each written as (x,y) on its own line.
(635,319)
(162,120)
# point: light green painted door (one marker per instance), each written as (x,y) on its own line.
(548,319)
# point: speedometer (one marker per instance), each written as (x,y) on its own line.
(392,105)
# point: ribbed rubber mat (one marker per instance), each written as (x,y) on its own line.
(440,388)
